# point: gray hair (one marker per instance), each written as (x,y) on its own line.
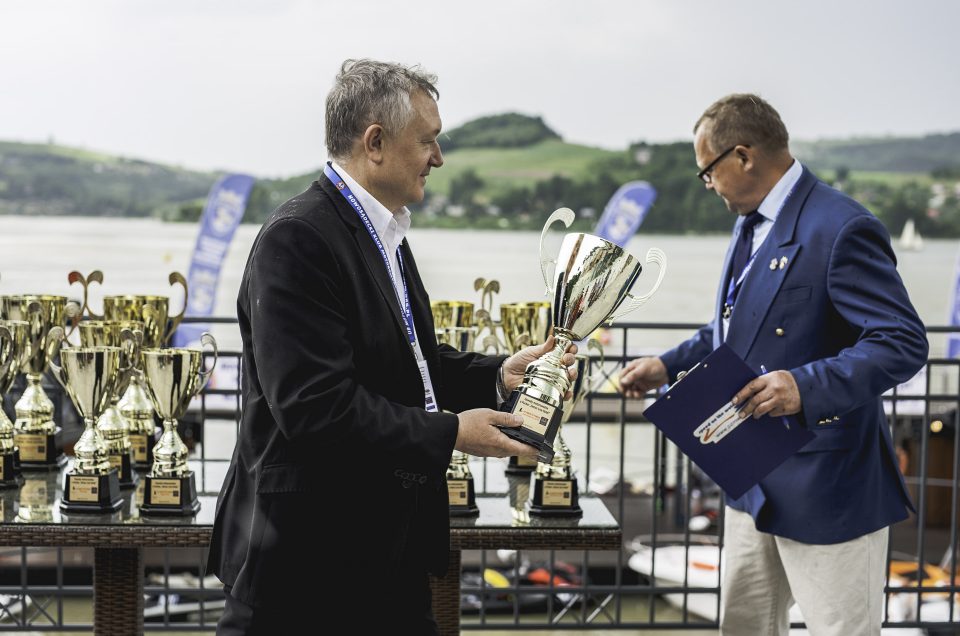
(368,92)
(743,118)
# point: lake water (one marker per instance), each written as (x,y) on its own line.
(137,255)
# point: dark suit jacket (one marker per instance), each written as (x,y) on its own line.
(837,316)
(338,472)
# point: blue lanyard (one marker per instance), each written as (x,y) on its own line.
(352,200)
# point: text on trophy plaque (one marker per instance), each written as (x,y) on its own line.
(84,488)
(165,491)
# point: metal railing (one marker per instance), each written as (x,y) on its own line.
(667,574)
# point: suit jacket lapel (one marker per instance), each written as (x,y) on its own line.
(368,250)
(766,275)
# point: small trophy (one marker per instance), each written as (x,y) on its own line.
(453,326)
(524,324)
(89,375)
(152,313)
(36,431)
(13,353)
(591,281)
(555,489)
(113,426)
(173,377)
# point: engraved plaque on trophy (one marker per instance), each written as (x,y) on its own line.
(173,377)
(35,431)
(592,279)
(453,325)
(13,353)
(88,375)
(524,324)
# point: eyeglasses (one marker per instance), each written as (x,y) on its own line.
(705,174)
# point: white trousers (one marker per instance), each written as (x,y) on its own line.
(838,587)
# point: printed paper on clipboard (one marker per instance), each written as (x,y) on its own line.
(696,415)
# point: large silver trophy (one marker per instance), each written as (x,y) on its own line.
(591,281)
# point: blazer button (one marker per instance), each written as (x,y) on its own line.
(779,331)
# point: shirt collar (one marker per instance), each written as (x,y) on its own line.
(772,203)
(391,228)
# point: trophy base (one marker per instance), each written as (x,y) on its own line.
(463,498)
(540,425)
(128,477)
(10,473)
(170,496)
(555,498)
(521,465)
(91,494)
(142,447)
(38,451)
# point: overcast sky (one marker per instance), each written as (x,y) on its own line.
(240,85)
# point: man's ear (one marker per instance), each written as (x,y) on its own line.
(745,155)
(373,140)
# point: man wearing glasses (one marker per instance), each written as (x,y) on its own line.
(810,291)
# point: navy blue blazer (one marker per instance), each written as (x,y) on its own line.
(837,316)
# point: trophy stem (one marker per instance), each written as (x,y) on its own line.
(91,451)
(10,473)
(169,453)
(34,408)
(135,406)
(114,429)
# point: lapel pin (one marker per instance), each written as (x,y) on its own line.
(773,264)
(783,262)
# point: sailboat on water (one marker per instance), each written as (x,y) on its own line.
(910,238)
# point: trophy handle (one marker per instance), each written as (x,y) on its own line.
(95,276)
(593,343)
(174,322)
(654,255)
(207,339)
(567,216)
(55,338)
(6,344)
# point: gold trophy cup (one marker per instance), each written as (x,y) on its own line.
(36,431)
(89,376)
(524,324)
(13,353)
(157,328)
(453,324)
(173,377)
(112,424)
(592,279)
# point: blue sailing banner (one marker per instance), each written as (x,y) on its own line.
(625,212)
(226,204)
(953,341)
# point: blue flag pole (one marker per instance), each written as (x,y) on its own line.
(226,204)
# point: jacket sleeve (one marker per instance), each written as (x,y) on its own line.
(690,352)
(890,344)
(306,365)
(469,380)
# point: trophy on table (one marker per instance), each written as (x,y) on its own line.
(173,377)
(36,431)
(591,281)
(453,325)
(158,327)
(555,489)
(113,426)
(13,353)
(89,376)
(524,324)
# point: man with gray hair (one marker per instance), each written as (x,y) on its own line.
(343,385)
(809,292)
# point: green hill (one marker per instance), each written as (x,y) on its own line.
(505,171)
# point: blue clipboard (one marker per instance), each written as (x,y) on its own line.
(695,414)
